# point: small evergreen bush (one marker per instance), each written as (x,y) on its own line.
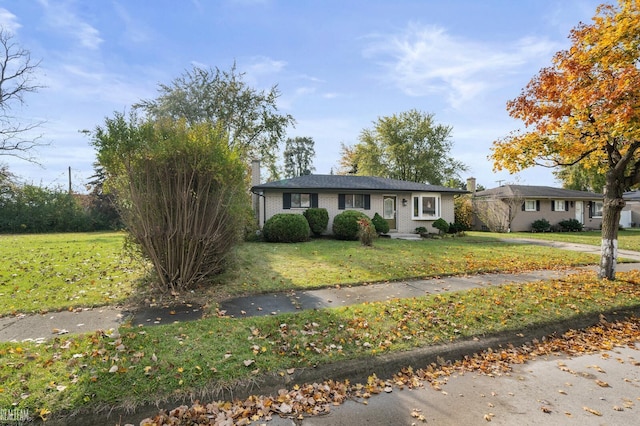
(318,219)
(441,225)
(345,224)
(457,228)
(540,225)
(381,224)
(570,225)
(421,230)
(286,228)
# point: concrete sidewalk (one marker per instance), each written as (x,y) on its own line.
(41,327)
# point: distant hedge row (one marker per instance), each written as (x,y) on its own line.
(34,209)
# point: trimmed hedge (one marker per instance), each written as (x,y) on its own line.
(286,228)
(570,225)
(381,224)
(540,225)
(345,224)
(441,225)
(318,219)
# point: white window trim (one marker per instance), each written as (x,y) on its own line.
(556,205)
(527,208)
(420,197)
(595,215)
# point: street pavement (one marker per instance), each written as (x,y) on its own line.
(595,389)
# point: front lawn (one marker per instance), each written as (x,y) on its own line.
(263,267)
(44,272)
(62,271)
(628,239)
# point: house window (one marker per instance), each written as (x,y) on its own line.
(559,206)
(426,206)
(300,201)
(296,200)
(530,205)
(354,201)
(597,209)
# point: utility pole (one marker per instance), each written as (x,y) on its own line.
(69,180)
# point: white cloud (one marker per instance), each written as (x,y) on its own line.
(61,18)
(9,21)
(264,65)
(427,60)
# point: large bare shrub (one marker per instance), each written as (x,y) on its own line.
(181,191)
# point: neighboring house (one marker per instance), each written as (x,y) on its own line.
(630,214)
(405,205)
(516,207)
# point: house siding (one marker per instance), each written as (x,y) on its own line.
(523,219)
(329,200)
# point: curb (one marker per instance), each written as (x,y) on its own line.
(357,370)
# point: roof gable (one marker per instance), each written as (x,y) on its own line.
(351,183)
(541,192)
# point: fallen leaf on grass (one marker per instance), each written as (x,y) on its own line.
(248,362)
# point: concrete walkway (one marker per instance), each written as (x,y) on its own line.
(42,327)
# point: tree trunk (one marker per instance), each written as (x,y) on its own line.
(612,206)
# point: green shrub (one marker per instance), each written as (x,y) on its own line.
(381,224)
(345,224)
(441,225)
(286,228)
(457,228)
(318,219)
(540,225)
(421,230)
(570,225)
(366,231)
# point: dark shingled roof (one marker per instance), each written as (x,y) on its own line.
(542,192)
(351,183)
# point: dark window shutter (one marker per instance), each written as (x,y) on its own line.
(537,205)
(367,201)
(314,200)
(553,205)
(591,209)
(341,202)
(566,205)
(524,203)
(286,200)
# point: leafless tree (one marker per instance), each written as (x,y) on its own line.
(17,78)
(497,213)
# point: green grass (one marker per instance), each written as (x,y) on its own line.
(628,239)
(149,364)
(60,271)
(263,267)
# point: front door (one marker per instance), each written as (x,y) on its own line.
(389,210)
(580,211)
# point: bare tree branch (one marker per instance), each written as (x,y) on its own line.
(17,75)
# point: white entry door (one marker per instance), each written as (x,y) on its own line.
(580,211)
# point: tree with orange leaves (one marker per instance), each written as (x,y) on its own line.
(585,108)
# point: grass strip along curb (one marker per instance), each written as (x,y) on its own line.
(219,357)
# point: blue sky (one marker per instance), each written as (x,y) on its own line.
(339,65)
